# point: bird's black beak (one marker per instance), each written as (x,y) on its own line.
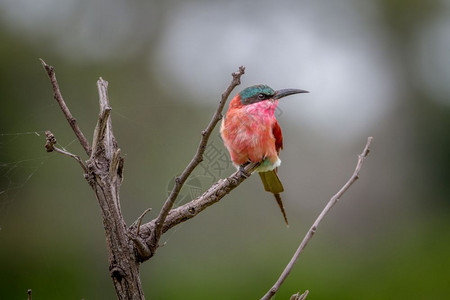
(286,92)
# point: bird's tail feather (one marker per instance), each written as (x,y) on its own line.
(273,184)
(280,204)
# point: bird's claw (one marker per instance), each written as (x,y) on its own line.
(242,170)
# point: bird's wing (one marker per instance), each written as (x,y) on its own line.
(276,131)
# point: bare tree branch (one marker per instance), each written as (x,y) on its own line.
(103,171)
(139,220)
(141,246)
(189,210)
(50,146)
(299,297)
(304,295)
(58,97)
(196,160)
(103,120)
(316,223)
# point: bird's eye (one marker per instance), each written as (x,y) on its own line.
(261,96)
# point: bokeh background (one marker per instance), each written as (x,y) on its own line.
(376,68)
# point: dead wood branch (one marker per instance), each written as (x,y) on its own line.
(196,160)
(103,171)
(50,146)
(189,210)
(58,97)
(299,296)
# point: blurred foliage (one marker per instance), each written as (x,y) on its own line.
(388,237)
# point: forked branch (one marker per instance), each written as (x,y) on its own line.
(103,171)
(58,97)
(196,160)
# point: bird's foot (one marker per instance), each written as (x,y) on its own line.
(242,170)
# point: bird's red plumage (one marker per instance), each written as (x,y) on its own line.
(251,132)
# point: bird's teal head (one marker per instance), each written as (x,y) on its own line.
(261,92)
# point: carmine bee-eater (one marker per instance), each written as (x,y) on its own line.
(251,133)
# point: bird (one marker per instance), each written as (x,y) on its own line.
(251,133)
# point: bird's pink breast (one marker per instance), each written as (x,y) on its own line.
(247,132)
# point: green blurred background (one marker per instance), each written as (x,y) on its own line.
(374,67)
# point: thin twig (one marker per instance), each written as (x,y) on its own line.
(142,248)
(197,159)
(313,228)
(58,97)
(139,220)
(298,296)
(304,295)
(50,146)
